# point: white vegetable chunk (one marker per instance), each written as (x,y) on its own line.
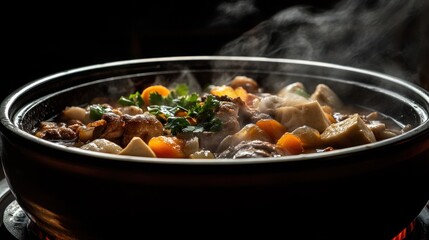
(102,145)
(309,136)
(76,113)
(131,110)
(326,96)
(247,133)
(380,131)
(350,132)
(270,103)
(137,147)
(202,154)
(310,114)
(192,145)
(292,88)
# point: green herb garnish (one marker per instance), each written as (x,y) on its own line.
(96,111)
(201,112)
(134,99)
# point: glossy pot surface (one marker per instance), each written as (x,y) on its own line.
(374,189)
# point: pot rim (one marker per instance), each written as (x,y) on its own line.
(10,127)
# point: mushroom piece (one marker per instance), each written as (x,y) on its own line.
(247,83)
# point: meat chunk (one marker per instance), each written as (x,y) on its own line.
(251,149)
(145,126)
(114,126)
(248,114)
(310,114)
(56,131)
(228,115)
(351,132)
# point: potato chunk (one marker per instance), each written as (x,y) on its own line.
(247,133)
(137,147)
(102,145)
(325,96)
(310,114)
(75,113)
(350,132)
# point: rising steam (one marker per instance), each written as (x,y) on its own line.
(389,36)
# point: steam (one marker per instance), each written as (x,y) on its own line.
(233,12)
(389,36)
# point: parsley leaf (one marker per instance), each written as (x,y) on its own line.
(182,90)
(200,111)
(134,99)
(156,99)
(96,111)
(203,112)
(176,124)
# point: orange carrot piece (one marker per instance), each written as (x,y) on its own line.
(330,117)
(167,147)
(327,110)
(290,143)
(224,90)
(272,127)
(241,93)
(181,114)
(161,90)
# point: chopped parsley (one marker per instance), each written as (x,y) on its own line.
(134,99)
(196,114)
(96,111)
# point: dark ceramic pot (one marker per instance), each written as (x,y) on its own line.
(371,191)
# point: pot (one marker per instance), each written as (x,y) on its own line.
(373,189)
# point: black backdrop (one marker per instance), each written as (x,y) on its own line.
(45,39)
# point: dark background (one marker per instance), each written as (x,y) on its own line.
(41,40)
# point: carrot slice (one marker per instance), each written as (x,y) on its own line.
(290,143)
(272,127)
(161,90)
(224,90)
(167,147)
(241,93)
